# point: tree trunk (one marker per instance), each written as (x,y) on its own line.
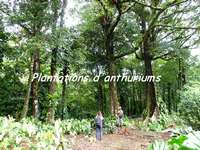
(100,95)
(65,67)
(135,106)
(150,92)
(27,97)
(105,99)
(163,93)
(174,99)
(114,104)
(63,91)
(141,97)
(52,88)
(34,86)
(123,103)
(169,97)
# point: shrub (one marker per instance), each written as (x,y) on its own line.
(110,124)
(190,141)
(189,107)
(164,122)
(30,134)
(75,126)
(33,134)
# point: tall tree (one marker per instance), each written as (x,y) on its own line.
(52,88)
(27,15)
(65,70)
(112,12)
(154,18)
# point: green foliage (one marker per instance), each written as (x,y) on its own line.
(190,141)
(81,100)
(109,125)
(156,126)
(33,134)
(75,126)
(86,126)
(82,51)
(3,41)
(11,97)
(158,145)
(30,134)
(164,122)
(178,141)
(29,12)
(189,107)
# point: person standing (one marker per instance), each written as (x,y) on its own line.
(120,115)
(99,126)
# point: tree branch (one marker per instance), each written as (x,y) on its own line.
(129,8)
(177,27)
(137,56)
(163,55)
(145,5)
(113,26)
(127,53)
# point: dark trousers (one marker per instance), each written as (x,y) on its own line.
(99,133)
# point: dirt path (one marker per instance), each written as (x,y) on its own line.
(135,140)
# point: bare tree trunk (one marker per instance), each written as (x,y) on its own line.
(114,104)
(28,92)
(105,99)
(63,90)
(52,88)
(169,97)
(65,66)
(64,5)
(100,95)
(163,93)
(34,86)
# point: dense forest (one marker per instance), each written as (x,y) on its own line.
(56,73)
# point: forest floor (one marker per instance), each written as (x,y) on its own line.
(134,140)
